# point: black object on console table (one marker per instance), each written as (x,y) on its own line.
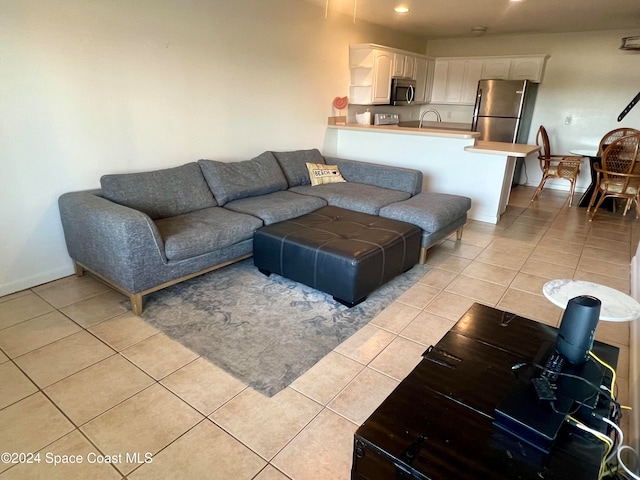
(439,423)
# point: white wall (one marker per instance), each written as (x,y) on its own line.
(587,77)
(634,358)
(89,87)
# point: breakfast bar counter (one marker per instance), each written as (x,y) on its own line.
(399,130)
(500,148)
(452,161)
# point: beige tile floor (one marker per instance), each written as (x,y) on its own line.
(80,377)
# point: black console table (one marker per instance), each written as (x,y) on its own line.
(440,422)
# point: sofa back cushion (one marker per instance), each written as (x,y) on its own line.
(386,176)
(160,193)
(294,165)
(234,180)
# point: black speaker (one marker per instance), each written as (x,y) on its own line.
(578,327)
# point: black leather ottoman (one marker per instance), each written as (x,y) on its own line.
(340,252)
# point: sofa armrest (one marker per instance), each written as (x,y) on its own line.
(386,176)
(110,239)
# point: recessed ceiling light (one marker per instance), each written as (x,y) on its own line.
(401,9)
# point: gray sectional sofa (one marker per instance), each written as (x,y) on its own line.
(141,232)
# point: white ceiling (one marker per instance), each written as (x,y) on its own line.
(455,18)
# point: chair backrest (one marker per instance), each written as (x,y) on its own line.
(621,156)
(614,135)
(542,140)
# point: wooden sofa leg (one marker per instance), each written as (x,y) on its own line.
(459,233)
(423,255)
(136,303)
(78,269)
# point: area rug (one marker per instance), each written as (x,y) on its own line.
(265,331)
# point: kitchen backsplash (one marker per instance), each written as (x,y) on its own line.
(449,113)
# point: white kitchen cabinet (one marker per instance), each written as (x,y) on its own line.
(472,74)
(514,68)
(404,66)
(371,70)
(398,64)
(424,79)
(439,87)
(456,81)
(382,78)
(410,67)
(496,69)
(527,68)
(451,80)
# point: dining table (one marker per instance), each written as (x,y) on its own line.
(594,158)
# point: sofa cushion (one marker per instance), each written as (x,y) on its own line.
(203,231)
(232,180)
(320,174)
(160,193)
(385,176)
(294,165)
(354,196)
(278,206)
(428,210)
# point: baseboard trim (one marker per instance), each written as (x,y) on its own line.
(35,280)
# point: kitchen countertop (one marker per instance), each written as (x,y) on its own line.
(430,132)
(501,148)
(451,161)
(480,146)
(438,125)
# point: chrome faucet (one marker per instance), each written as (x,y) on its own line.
(438,118)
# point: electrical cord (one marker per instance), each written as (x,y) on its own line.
(622,464)
(599,436)
(598,389)
(616,452)
(614,446)
(526,176)
(606,365)
(620,440)
(608,392)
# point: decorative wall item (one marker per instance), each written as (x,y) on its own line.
(340,103)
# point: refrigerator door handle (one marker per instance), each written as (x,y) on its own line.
(514,139)
(476,109)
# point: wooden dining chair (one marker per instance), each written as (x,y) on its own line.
(566,167)
(613,135)
(616,175)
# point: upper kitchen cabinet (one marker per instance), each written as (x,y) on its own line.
(424,70)
(371,69)
(527,68)
(456,81)
(404,66)
(514,68)
(496,69)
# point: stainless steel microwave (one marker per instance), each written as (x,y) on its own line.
(403,91)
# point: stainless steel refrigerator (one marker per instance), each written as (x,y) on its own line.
(503,111)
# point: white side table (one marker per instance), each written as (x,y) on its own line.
(616,306)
